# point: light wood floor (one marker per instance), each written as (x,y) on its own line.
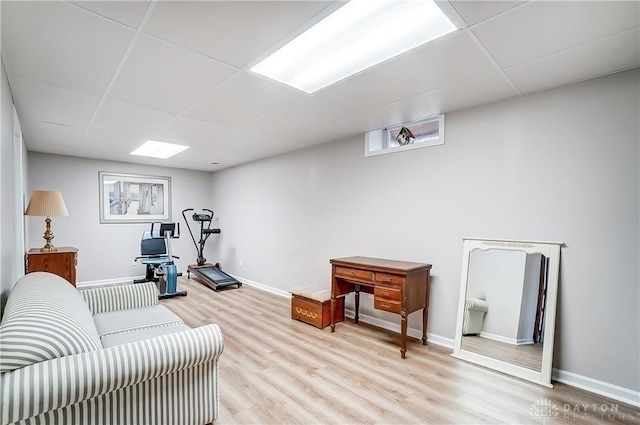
(527,355)
(275,370)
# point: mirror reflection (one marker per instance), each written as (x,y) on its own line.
(507,306)
(504,306)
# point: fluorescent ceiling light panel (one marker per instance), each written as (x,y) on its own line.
(360,34)
(156,149)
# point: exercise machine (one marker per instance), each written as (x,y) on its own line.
(208,274)
(155,254)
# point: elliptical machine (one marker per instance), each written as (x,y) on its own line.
(205,232)
(208,274)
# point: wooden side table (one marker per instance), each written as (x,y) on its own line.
(61,262)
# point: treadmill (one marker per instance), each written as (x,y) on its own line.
(210,275)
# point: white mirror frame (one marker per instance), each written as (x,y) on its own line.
(551,250)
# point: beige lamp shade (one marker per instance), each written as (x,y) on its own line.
(46,203)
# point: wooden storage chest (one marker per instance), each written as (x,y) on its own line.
(312,305)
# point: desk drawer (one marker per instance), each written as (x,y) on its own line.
(348,272)
(388,278)
(387,293)
(387,305)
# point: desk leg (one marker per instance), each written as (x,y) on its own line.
(333,308)
(425,315)
(357,313)
(403,334)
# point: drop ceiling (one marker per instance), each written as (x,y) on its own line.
(96,79)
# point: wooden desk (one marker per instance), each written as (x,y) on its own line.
(397,286)
(62,262)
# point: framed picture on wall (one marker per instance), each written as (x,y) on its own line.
(133,198)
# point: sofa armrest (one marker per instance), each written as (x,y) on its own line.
(477,304)
(54,384)
(121,297)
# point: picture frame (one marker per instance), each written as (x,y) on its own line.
(133,198)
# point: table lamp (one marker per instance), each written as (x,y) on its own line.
(47,203)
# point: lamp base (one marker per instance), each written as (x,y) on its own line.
(48,236)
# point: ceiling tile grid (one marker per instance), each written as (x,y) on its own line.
(600,57)
(97,78)
(452,59)
(125,119)
(165,77)
(541,28)
(129,13)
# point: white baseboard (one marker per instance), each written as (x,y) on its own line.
(384,324)
(602,388)
(89,283)
(262,286)
(395,327)
(499,338)
(119,280)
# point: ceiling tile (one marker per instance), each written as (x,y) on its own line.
(165,77)
(67,140)
(296,120)
(129,120)
(481,90)
(474,11)
(212,142)
(128,12)
(232,32)
(243,98)
(541,28)
(192,132)
(42,102)
(604,56)
(63,45)
(419,71)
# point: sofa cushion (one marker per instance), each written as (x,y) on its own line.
(114,322)
(45,318)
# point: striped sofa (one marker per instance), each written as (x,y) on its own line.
(108,355)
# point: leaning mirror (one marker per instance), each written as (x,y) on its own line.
(507,306)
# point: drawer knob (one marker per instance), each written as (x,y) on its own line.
(386,279)
(386,294)
(353,273)
(385,306)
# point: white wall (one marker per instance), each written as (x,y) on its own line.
(106,250)
(559,165)
(11,237)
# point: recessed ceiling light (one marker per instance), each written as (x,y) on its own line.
(155,149)
(360,34)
